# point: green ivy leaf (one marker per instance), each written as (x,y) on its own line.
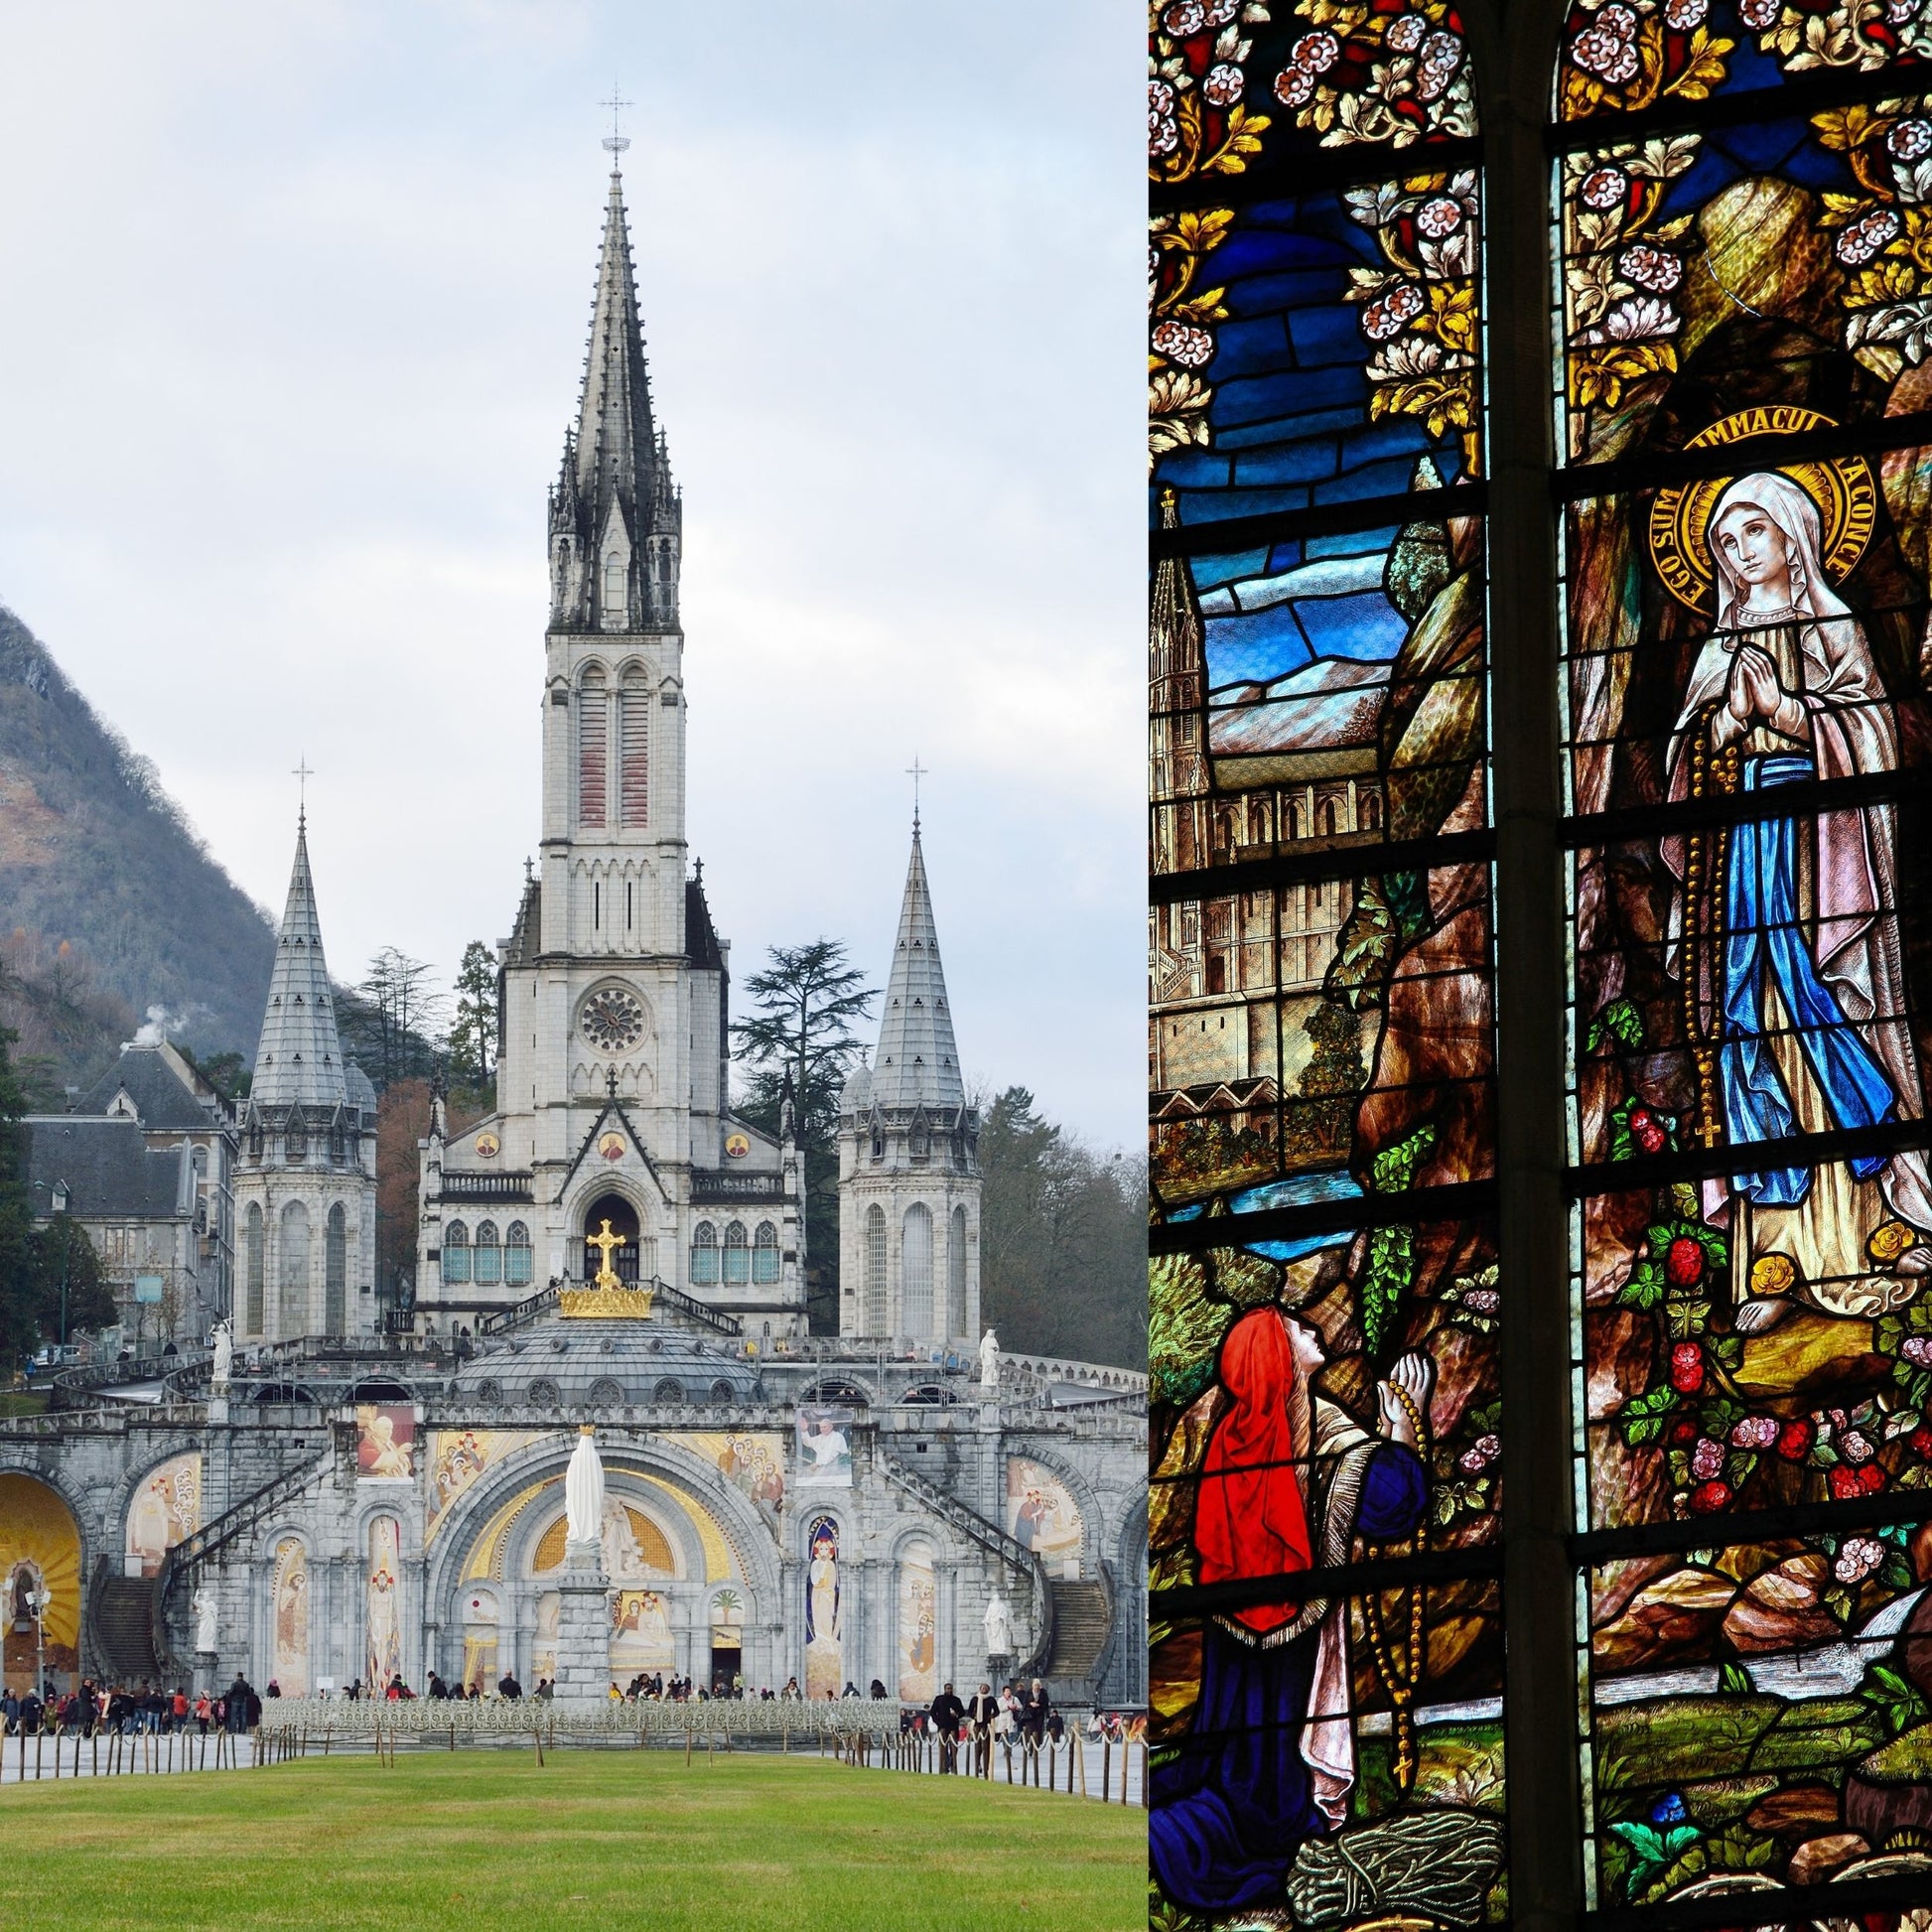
(1621,1020)
(1644,1287)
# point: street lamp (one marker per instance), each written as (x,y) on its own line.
(38,1598)
(60,1198)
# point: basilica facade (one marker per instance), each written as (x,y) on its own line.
(322,1501)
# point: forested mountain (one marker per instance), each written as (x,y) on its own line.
(109,901)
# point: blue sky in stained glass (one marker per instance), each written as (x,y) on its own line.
(1290,422)
(1270,611)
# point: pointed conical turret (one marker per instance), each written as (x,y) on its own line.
(917,1062)
(300,1058)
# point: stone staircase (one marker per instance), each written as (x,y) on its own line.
(991,1538)
(1083,1617)
(122,1612)
(169,1591)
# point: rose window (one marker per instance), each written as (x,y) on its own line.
(613,1020)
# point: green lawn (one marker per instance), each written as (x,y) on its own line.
(602,1839)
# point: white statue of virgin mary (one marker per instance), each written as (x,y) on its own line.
(1804,989)
(583,1491)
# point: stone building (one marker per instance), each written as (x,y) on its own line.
(305,1184)
(144,1160)
(909,1155)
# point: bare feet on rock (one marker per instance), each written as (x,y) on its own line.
(1761,1314)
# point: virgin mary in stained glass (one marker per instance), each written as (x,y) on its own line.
(1783,931)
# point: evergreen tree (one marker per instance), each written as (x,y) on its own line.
(62,1254)
(389,1024)
(472,1036)
(800,1031)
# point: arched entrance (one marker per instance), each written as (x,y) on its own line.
(39,1549)
(623,1222)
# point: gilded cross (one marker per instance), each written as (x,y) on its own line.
(916,771)
(604,1243)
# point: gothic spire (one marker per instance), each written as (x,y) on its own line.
(616,441)
(917,1062)
(300,1058)
(615,514)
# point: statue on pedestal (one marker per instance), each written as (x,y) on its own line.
(989,1360)
(583,1672)
(583,1491)
(222,1342)
(205,1614)
(998,1623)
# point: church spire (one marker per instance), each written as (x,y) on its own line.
(917,1062)
(300,1058)
(614,513)
(615,438)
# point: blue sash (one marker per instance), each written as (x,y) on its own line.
(1762,937)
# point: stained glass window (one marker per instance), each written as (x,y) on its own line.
(1741,224)
(1324,1617)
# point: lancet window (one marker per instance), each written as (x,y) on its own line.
(737,1255)
(704,1255)
(764,1255)
(516,1256)
(593,748)
(486,1256)
(1324,1345)
(1745,472)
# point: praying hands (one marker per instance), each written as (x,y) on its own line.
(1752,695)
(1404,1397)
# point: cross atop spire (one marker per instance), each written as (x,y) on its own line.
(302,774)
(916,771)
(616,140)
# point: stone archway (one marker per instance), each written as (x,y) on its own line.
(503,1540)
(39,1549)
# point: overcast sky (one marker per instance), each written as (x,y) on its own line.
(294,318)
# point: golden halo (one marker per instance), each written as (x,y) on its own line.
(1841,488)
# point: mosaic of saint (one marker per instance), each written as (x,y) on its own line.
(167,1507)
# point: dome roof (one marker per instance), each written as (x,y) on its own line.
(568,1363)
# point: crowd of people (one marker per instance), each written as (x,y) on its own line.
(106,1709)
(1025,1716)
(985,1720)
